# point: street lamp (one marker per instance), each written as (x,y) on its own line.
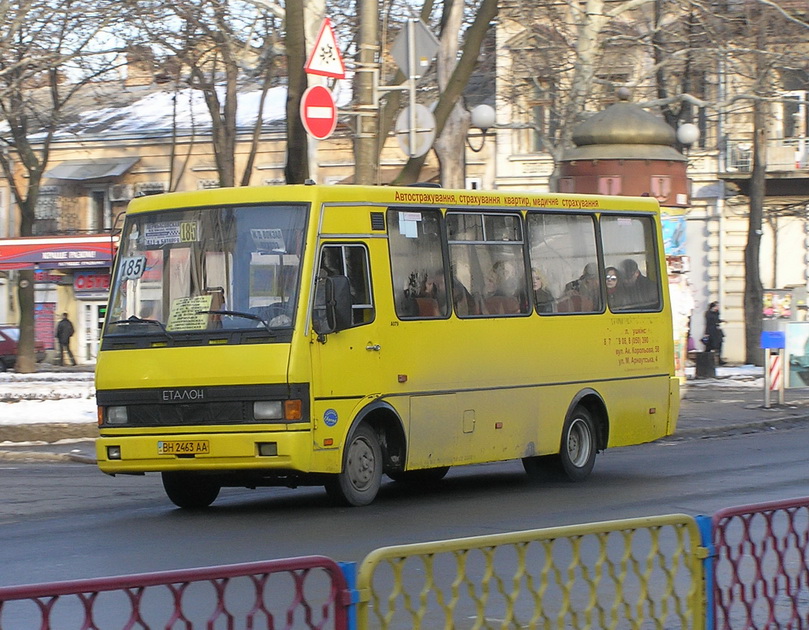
(483,117)
(687,134)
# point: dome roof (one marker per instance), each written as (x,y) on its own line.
(624,131)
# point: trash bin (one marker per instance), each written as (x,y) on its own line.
(706,365)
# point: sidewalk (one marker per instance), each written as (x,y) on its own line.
(727,405)
(731,403)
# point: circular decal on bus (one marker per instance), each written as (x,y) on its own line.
(330,417)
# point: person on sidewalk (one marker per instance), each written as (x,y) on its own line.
(64,331)
(714,336)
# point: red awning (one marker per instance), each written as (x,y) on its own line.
(58,252)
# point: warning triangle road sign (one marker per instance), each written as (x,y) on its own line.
(326,59)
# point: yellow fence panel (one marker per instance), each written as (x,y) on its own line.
(636,573)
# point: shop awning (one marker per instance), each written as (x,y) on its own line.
(80,170)
(58,252)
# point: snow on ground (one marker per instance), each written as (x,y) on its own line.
(70,396)
(47,397)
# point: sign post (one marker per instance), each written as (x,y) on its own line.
(773,343)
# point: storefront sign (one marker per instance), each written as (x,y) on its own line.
(57,252)
(46,277)
(91,281)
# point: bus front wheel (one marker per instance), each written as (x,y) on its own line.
(192,492)
(577,450)
(361,478)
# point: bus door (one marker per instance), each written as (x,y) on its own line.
(346,365)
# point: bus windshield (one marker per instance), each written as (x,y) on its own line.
(204,269)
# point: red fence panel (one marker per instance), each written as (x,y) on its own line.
(306,592)
(761,566)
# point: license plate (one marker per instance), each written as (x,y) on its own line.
(183,447)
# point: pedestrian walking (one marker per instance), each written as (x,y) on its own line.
(64,331)
(714,336)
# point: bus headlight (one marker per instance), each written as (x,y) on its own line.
(116,415)
(268,410)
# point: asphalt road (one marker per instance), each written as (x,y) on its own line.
(66,520)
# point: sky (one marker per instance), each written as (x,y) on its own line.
(70,397)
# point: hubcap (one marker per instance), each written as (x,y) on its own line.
(579,443)
(361,464)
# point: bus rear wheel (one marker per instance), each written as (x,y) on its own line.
(577,450)
(189,491)
(361,478)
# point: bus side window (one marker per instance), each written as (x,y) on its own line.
(563,251)
(417,263)
(351,261)
(629,248)
(488,265)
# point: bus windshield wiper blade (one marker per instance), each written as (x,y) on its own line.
(134,319)
(252,316)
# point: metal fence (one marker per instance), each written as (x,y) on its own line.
(761,566)
(306,592)
(635,573)
(750,570)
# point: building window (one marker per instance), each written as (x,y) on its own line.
(46,213)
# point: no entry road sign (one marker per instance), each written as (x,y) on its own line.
(318,112)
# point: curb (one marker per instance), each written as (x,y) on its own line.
(38,456)
(737,429)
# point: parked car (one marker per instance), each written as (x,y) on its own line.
(9,338)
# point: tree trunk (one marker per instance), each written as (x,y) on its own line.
(753,289)
(450,145)
(296,170)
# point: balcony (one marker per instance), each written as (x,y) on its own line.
(787,155)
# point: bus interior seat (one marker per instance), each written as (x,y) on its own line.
(502,305)
(428,307)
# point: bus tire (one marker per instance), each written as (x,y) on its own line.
(361,478)
(419,477)
(577,450)
(189,491)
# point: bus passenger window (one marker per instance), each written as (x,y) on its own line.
(417,263)
(488,264)
(629,247)
(351,261)
(564,254)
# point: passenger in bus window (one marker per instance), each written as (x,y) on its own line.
(636,290)
(582,294)
(503,290)
(542,297)
(611,281)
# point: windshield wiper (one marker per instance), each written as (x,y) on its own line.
(252,316)
(134,319)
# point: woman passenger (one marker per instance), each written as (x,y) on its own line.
(611,279)
(542,297)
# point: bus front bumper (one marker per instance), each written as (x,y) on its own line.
(224,452)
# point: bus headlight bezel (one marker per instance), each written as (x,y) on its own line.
(268,410)
(117,415)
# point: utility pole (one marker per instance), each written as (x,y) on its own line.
(366,167)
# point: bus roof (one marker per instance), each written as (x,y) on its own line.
(391,196)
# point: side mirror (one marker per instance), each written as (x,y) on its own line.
(332,308)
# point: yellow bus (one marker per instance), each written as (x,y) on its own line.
(330,335)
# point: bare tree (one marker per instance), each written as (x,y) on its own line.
(455,79)
(217,47)
(49,53)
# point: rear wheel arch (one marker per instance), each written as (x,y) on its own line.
(592,401)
